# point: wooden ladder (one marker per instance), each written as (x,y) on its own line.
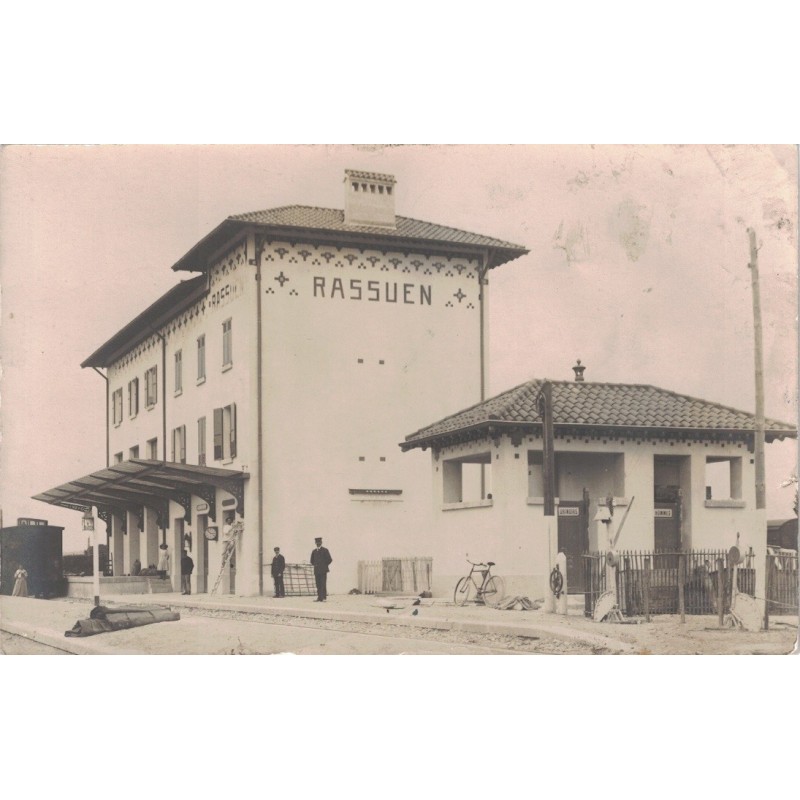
(230,547)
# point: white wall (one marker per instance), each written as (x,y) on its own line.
(335,415)
(512,530)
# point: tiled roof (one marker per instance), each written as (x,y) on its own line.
(332,219)
(598,405)
(310,219)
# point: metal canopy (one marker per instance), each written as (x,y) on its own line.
(144,482)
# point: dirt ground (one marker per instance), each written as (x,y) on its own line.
(699,635)
(270,627)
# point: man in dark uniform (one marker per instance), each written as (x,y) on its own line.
(320,559)
(278,566)
(187,567)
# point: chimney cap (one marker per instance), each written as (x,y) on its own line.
(369,176)
(578,371)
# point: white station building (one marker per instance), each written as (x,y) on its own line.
(273,386)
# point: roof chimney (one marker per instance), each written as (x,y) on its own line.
(369,199)
(578,371)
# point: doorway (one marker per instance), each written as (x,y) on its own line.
(573,540)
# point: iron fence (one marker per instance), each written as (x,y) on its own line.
(782,582)
(668,582)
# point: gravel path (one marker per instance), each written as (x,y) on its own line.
(490,641)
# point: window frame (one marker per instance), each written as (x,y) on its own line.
(227,343)
(178,364)
(133,397)
(201,441)
(201,358)
(117,410)
(151,387)
(224,433)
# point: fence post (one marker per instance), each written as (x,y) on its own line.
(720,592)
(766,591)
(646,587)
(681,585)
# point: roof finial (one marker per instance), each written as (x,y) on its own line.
(578,371)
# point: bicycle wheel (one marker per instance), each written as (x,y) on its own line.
(494,591)
(465,591)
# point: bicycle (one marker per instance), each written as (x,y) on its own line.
(490,592)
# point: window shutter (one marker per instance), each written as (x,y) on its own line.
(183,444)
(233,430)
(217,434)
(174,432)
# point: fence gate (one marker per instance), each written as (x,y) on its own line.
(651,580)
(782,586)
(395,575)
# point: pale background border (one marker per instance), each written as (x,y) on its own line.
(409,73)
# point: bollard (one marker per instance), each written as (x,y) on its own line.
(561,601)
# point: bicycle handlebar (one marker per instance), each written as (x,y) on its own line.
(478,563)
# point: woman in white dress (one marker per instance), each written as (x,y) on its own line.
(20,582)
(163,558)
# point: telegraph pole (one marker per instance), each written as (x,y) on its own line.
(761,482)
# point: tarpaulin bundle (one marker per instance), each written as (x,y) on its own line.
(521,603)
(103,619)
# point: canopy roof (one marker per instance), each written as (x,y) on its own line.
(132,484)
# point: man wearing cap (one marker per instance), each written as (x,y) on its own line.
(278,566)
(320,559)
(187,567)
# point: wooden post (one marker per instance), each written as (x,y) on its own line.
(766,591)
(720,592)
(646,582)
(548,455)
(758,454)
(561,603)
(681,585)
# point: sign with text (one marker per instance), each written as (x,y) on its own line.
(569,511)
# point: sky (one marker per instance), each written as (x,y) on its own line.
(637,266)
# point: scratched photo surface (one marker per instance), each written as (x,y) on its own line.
(611,281)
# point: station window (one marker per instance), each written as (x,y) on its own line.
(201,441)
(151,387)
(117,458)
(225,433)
(152,449)
(133,397)
(227,343)
(134,452)
(117,406)
(179,444)
(201,358)
(723,478)
(467,479)
(178,371)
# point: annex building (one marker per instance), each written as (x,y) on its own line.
(272,385)
(676,471)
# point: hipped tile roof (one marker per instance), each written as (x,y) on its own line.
(312,220)
(597,405)
(333,220)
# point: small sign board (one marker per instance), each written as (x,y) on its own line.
(663,512)
(569,511)
(201,508)
(29,522)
